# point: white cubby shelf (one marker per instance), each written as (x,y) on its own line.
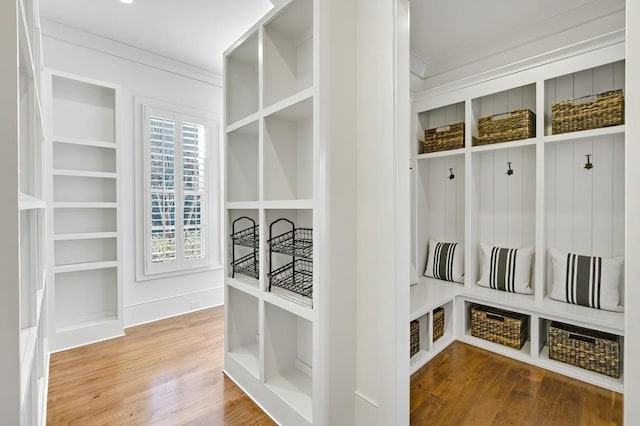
(547,202)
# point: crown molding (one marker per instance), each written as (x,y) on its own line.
(57,31)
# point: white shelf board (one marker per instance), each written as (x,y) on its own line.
(89,205)
(81,323)
(523,354)
(84,173)
(242,205)
(502,299)
(611,322)
(288,204)
(28,338)
(290,101)
(295,308)
(85,236)
(440,154)
(249,286)
(294,387)
(85,142)
(605,131)
(597,379)
(430,293)
(27,202)
(243,122)
(504,145)
(88,266)
(247,356)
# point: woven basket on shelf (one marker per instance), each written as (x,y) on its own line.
(443,138)
(607,109)
(414,338)
(438,323)
(585,348)
(514,125)
(504,327)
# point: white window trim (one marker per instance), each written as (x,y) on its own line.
(213,228)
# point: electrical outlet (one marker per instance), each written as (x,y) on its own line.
(194,304)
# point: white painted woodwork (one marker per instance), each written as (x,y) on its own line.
(244,334)
(550,200)
(242,78)
(243,163)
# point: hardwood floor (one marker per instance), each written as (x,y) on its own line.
(170,373)
(163,373)
(465,385)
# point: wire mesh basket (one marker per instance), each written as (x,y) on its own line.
(298,242)
(296,277)
(248,265)
(248,237)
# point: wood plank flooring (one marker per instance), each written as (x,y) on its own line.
(163,373)
(464,385)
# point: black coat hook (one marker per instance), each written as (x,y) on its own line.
(588,165)
(509,170)
(451,175)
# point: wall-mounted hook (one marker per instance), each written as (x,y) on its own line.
(451,175)
(588,165)
(509,169)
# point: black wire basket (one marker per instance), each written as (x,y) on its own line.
(247,237)
(296,276)
(248,265)
(298,243)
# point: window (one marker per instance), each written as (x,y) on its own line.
(177,184)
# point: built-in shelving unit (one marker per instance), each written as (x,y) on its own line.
(84,223)
(25,354)
(547,201)
(277,148)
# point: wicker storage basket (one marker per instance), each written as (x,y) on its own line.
(606,110)
(504,327)
(438,323)
(443,138)
(585,348)
(414,339)
(514,125)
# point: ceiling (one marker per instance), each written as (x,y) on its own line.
(450,34)
(195,32)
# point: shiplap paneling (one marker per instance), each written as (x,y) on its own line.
(585,208)
(503,102)
(439,117)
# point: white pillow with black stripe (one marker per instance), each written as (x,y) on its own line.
(445,261)
(506,269)
(586,280)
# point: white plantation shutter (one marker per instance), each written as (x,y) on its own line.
(176,192)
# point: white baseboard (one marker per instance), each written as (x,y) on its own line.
(155,310)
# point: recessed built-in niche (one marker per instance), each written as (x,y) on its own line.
(503,207)
(242,80)
(82,110)
(585,198)
(84,220)
(242,333)
(84,298)
(288,351)
(83,189)
(440,201)
(288,153)
(243,245)
(242,163)
(582,87)
(67,156)
(69,252)
(439,119)
(288,52)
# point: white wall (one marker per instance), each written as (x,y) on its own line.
(141,74)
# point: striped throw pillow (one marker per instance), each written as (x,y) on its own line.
(506,269)
(586,280)
(445,261)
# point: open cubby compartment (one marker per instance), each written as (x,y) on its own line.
(525,351)
(84,189)
(503,205)
(288,153)
(288,52)
(290,277)
(30,266)
(580,85)
(448,326)
(84,220)
(288,352)
(69,156)
(83,110)
(501,103)
(242,163)
(85,298)
(438,118)
(243,329)
(585,208)
(425,332)
(30,134)
(440,203)
(242,80)
(243,247)
(70,252)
